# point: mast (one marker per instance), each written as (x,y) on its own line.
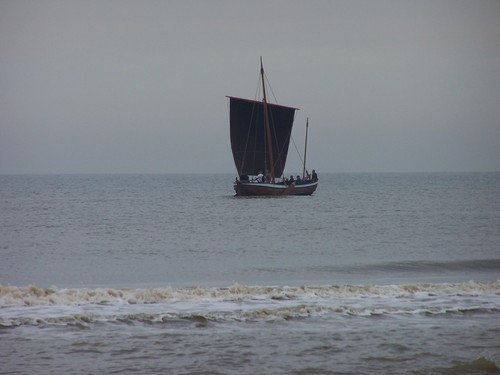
(305,151)
(266,123)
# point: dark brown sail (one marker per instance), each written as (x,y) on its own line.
(248,135)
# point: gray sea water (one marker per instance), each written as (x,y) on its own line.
(172,274)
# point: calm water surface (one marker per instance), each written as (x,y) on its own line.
(151,274)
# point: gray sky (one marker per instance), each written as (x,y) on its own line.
(139,86)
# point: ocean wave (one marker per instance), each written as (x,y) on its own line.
(206,318)
(32,305)
(34,296)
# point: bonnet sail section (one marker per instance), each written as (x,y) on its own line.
(248,135)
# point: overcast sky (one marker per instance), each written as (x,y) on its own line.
(140,86)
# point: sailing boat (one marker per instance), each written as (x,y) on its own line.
(260,135)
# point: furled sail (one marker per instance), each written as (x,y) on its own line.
(248,135)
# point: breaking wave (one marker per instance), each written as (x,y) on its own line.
(33,295)
(32,305)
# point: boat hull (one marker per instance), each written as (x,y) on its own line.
(263,189)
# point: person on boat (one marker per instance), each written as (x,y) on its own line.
(314,176)
(268,176)
(291,180)
(298,181)
(259,177)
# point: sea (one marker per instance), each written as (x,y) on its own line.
(375,273)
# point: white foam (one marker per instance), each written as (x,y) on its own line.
(33,295)
(35,305)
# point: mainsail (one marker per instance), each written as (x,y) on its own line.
(248,135)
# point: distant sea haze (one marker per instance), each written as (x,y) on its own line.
(151,274)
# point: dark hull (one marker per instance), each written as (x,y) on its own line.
(263,189)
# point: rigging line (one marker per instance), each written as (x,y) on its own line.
(276,101)
(275,140)
(297,149)
(257,96)
(271,88)
(274,130)
(248,138)
(277,149)
(281,151)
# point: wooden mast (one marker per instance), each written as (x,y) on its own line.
(266,123)
(305,151)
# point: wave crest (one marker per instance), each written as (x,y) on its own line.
(37,296)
